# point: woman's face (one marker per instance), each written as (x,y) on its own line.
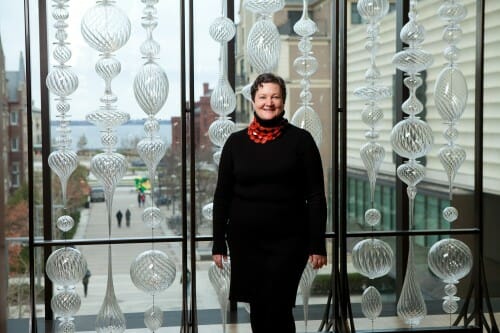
(268,102)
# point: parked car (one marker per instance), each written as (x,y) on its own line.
(96,194)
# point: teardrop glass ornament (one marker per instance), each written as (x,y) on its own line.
(220,279)
(223,99)
(305,117)
(451,157)
(305,27)
(220,130)
(151,88)
(411,305)
(372,154)
(110,318)
(63,163)
(371,303)
(151,151)
(263,46)
(109,169)
(305,284)
(152,271)
(411,173)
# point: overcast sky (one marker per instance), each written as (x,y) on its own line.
(86,98)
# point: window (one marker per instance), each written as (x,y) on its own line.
(14,118)
(14,144)
(15,177)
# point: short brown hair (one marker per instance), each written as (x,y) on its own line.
(268,78)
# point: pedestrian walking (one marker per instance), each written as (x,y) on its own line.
(119,216)
(143,199)
(85,282)
(128,215)
(139,199)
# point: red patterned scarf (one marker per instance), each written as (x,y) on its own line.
(262,131)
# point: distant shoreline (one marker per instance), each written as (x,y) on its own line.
(87,123)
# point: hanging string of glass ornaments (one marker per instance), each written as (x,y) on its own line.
(305,117)
(412,138)
(65,266)
(223,103)
(306,65)
(152,271)
(372,257)
(263,41)
(451,259)
(106,28)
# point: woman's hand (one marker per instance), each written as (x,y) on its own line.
(317,261)
(218,258)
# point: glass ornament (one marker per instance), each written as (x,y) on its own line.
(371,114)
(105,27)
(153,318)
(371,303)
(305,26)
(373,10)
(65,223)
(411,173)
(372,154)
(65,303)
(450,304)
(222,29)
(63,163)
(305,117)
(107,119)
(220,279)
(66,266)
(263,46)
(411,305)
(207,211)
(372,217)
(372,257)
(216,156)
(450,214)
(264,6)
(62,81)
(223,99)
(246,91)
(66,326)
(412,61)
(450,260)
(220,130)
(305,284)
(450,94)
(108,168)
(305,65)
(374,92)
(152,271)
(151,151)
(151,88)
(451,157)
(412,138)
(110,318)
(152,217)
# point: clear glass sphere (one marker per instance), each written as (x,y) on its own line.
(411,173)
(65,223)
(66,326)
(66,303)
(371,114)
(450,260)
(452,11)
(372,217)
(105,27)
(66,266)
(305,65)
(450,214)
(152,271)
(62,81)
(152,217)
(373,10)
(412,138)
(220,130)
(222,29)
(372,257)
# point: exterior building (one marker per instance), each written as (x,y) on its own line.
(17,126)
(204,116)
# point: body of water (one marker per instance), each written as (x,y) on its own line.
(128,134)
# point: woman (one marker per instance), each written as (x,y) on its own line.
(270,204)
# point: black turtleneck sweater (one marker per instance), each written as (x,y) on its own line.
(270,204)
